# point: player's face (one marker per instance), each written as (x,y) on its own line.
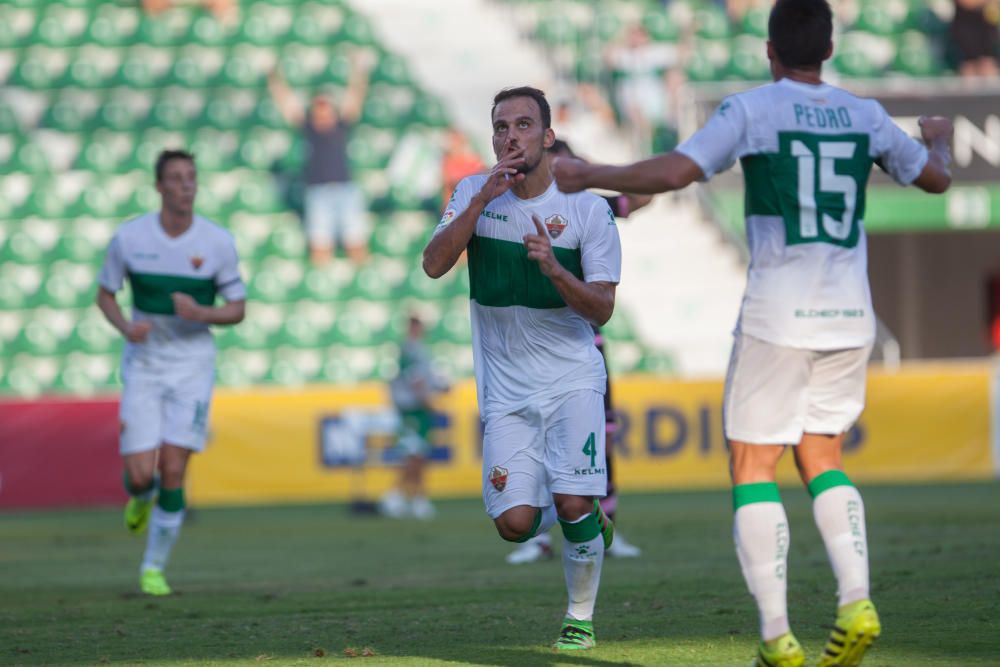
(178,186)
(517,124)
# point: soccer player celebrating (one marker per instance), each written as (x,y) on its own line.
(176,263)
(543,266)
(806,328)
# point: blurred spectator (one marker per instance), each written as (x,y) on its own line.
(226,11)
(412,390)
(458,161)
(975,36)
(647,82)
(335,209)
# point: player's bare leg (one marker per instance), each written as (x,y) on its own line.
(762,537)
(840,516)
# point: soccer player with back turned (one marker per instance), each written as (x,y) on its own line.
(176,263)
(806,327)
(543,265)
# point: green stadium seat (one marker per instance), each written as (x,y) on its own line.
(166,29)
(661,26)
(72,111)
(92,67)
(239,368)
(172,112)
(356,30)
(264,25)
(748,59)
(623,357)
(216,150)
(326,284)
(93,335)
(67,285)
(61,26)
(430,112)
(316,25)
(276,280)
(123,110)
(338,69)
(882,17)
(711,22)
(392,70)
(917,56)
(16,25)
(241,69)
(144,67)
(113,26)
(755,21)
(862,54)
(85,374)
(657,363)
(556,28)
(206,30)
(29,376)
(18,282)
(378,280)
(9,122)
(39,68)
(453,325)
(709,61)
(286,241)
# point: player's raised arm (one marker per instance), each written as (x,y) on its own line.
(452,237)
(593,301)
(935,177)
(661,173)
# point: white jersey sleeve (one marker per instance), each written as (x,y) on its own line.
(464,192)
(112,275)
(228,282)
(600,247)
(722,140)
(900,155)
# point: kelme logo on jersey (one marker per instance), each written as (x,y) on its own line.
(498,478)
(197,261)
(448,216)
(555,224)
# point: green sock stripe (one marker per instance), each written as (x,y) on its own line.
(582,531)
(171,500)
(759,492)
(534,528)
(129,487)
(828,480)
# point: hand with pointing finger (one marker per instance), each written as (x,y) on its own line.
(540,249)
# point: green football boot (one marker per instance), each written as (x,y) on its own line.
(857,627)
(137,512)
(785,651)
(152,582)
(575,636)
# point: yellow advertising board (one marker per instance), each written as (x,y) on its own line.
(924,423)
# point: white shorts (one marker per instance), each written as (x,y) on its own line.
(555,447)
(335,212)
(161,405)
(774,394)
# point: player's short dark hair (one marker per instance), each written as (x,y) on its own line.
(800,31)
(561,146)
(166,156)
(526,91)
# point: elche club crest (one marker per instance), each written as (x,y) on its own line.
(197,261)
(555,224)
(498,478)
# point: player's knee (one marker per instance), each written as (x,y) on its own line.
(516,524)
(172,474)
(137,481)
(571,508)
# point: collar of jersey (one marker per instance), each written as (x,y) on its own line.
(535,200)
(813,87)
(173,239)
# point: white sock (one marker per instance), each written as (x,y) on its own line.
(549,518)
(542,539)
(164,527)
(840,517)
(761,533)
(582,565)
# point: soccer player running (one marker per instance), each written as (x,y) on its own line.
(176,263)
(806,327)
(543,266)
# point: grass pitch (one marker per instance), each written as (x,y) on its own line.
(306,585)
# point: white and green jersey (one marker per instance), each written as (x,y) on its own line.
(528,345)
(201,262)
(806,153)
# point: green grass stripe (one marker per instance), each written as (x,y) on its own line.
(759,492)
(828,480)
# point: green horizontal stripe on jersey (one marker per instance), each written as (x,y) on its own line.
(758,492)
(501,275)
(151,292)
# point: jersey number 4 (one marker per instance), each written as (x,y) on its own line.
(590,449)
(832,172)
